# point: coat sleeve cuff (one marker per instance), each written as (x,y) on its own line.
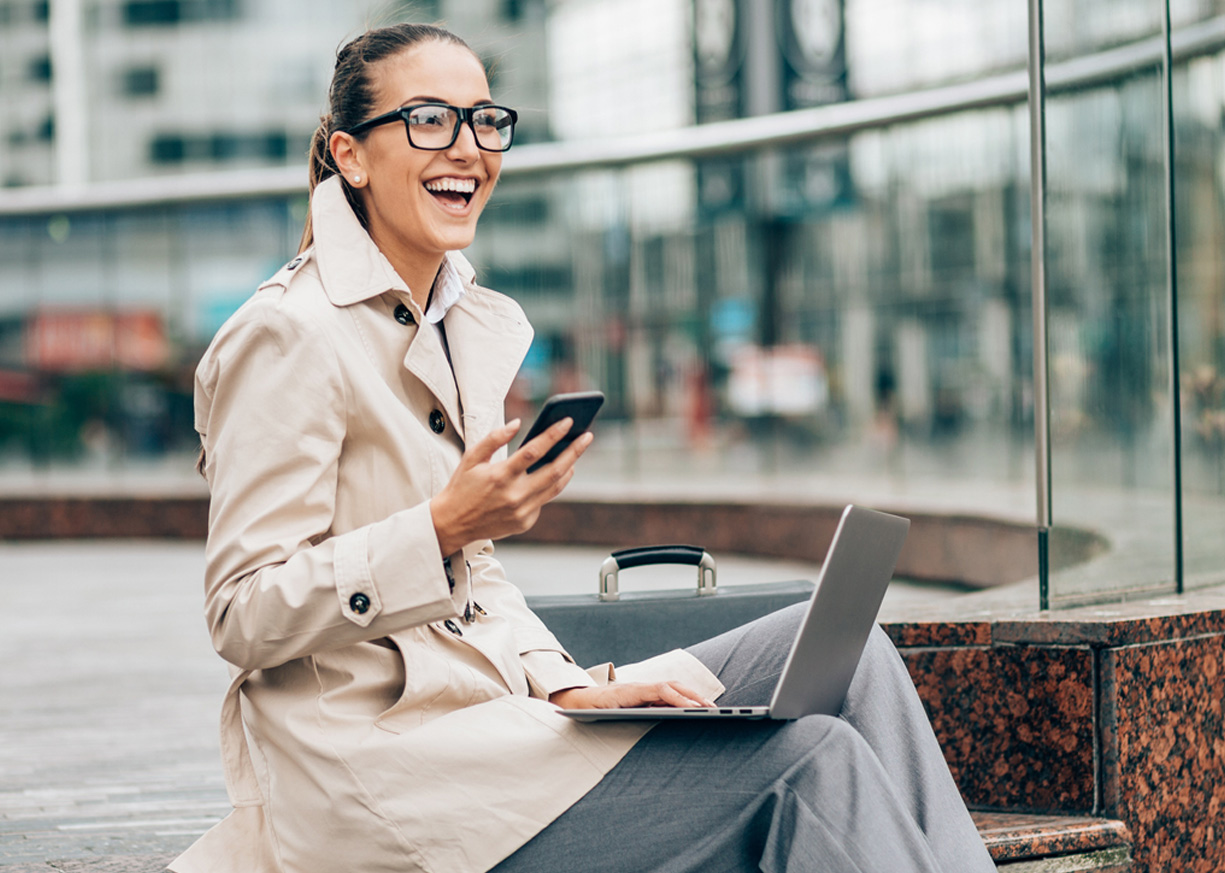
(676,666)
(548,672)
(405,570)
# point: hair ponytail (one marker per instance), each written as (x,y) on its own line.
(320,165)
(351,99)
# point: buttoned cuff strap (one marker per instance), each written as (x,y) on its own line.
(359,598)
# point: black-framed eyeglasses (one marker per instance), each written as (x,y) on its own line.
(435,126)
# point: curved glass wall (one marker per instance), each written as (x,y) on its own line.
(843,312)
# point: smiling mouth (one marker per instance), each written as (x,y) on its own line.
(452,192)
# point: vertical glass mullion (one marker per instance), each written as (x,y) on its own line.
(1042,429)
(1171,256)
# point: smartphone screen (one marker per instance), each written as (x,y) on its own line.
(581,407)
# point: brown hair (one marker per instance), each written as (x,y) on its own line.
(351,96)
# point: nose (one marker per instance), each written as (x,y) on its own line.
(464,148)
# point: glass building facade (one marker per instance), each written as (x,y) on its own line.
(837,299)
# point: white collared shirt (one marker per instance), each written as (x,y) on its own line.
(448,290)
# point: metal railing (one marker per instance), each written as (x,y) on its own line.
(721,138)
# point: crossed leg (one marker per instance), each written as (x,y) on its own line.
(864,792)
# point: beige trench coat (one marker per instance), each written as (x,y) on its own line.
(360,732)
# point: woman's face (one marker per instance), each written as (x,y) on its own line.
(412,210)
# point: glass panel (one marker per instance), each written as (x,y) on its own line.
(1111,405)
(102,318)
(859,326)
(1199,104)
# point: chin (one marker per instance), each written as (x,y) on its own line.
(451,239)
(454,242)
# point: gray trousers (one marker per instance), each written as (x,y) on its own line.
(865,792)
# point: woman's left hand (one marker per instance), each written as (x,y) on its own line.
(617,696)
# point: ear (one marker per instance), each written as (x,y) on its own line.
(347,152)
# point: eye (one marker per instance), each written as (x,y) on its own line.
(431,116)
(493,118)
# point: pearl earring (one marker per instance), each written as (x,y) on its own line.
(357,180)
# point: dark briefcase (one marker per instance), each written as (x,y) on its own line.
(627,627)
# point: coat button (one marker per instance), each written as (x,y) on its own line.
(359,603)
(437,423)
(293,265)
(403,315)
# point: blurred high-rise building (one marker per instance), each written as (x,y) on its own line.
(100,90)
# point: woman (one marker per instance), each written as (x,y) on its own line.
(393,699)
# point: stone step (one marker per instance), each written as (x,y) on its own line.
(1018,844)
(1021,843)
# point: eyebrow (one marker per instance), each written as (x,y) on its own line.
(422,98)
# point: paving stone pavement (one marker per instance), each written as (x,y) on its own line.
(110,690)
(110,693)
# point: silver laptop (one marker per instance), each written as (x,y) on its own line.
(826,651)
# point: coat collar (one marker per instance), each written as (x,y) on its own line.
(487,333)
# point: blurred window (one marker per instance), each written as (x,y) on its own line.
(162,12)
(950,228)
(518,10)
(146,13)
(527,209)
(167,149)
(140,13)
(554,280)
(39,69)
(140,82)
(221,147)
(240,146)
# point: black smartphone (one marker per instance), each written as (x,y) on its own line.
(581,407)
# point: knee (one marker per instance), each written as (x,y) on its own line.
(820,736)
(782,624)
(878,641)
(879,653)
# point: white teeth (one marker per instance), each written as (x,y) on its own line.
(462,186)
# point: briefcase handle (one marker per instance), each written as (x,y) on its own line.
(642,556)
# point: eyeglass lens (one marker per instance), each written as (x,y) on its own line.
(436,127)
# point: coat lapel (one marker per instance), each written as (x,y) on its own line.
(426,359)
(489,337)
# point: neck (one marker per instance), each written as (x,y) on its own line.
(418,273)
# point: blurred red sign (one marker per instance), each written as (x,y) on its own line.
(78,340)
(18,387)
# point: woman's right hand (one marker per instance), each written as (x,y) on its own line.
(487,499)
